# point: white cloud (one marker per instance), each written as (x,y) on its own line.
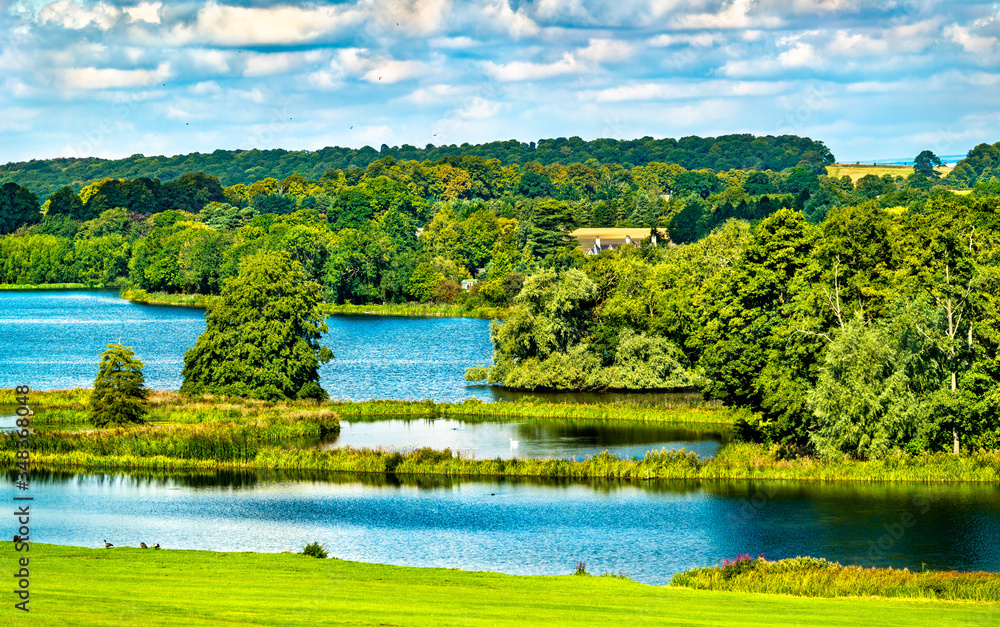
(104,78)
(232,26)
(978,45)
(597,51)
(527,71)
(453,42)
(479,109)
(144,12)
(205,88)
(801,55)
(681,91)
(379,70)
(387,71)
(857,44)
(517,23)
(214,60)
(734,15)
(325,80)
(701,40)
(433,94)
(73,15)
(606,50)
(421,17)
(267,64)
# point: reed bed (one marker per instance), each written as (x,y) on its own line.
(50,286)
(426,310)
(228,446)
(531,409)
(806,576)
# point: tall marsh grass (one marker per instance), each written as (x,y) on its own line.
(806,576)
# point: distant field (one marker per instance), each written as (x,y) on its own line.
(857,171)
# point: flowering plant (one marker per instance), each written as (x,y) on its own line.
(742,564)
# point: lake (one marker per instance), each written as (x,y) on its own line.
(53,340)
(648,530)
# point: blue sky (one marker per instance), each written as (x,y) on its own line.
(873,79)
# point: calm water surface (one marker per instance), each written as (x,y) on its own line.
(648,530)
(53,340)
(538,439)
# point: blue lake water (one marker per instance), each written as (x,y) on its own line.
(53,340)
(648,530)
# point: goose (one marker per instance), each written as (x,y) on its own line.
(513,442)
(107,544)
(143,545)
(156,546)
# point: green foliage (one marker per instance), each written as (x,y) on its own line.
(807,576)
(262,338)
(315,549)
(18,207)
(863,401)
(119,395)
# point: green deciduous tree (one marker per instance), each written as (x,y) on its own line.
(863,403)
(262,340)
(119,395)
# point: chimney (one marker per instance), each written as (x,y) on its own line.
(628,239)
(652,239)
(597,242)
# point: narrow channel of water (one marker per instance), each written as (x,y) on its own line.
(536,438)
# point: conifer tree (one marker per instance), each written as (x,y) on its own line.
(120,393)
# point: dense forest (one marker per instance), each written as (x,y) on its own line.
(45,176)
(851,317)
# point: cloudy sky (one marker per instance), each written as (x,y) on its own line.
(874,79)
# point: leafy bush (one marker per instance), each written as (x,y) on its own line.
(315,549)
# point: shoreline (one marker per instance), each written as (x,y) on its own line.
(257,427)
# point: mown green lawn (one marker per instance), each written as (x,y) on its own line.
(123,586)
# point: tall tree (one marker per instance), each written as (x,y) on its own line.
(262,340)
(18,207)
(925,163)
(119,395)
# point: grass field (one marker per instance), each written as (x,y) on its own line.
(51,286)
(838,170)
(123,586)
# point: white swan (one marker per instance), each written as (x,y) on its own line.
(513,442)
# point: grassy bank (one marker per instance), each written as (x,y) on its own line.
(136,449)
(198,301)
(123,586)
(429,310)
(69,406)
(50,286)
(219,426)
(806,576)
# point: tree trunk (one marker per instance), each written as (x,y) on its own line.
(954,427)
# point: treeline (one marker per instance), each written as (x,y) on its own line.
(980,170)
(872,332)
(45,176)
(397,230)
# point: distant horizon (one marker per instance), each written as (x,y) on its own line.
(951,158)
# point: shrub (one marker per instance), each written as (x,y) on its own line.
(315,549)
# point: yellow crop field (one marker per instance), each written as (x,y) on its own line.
(856,171)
